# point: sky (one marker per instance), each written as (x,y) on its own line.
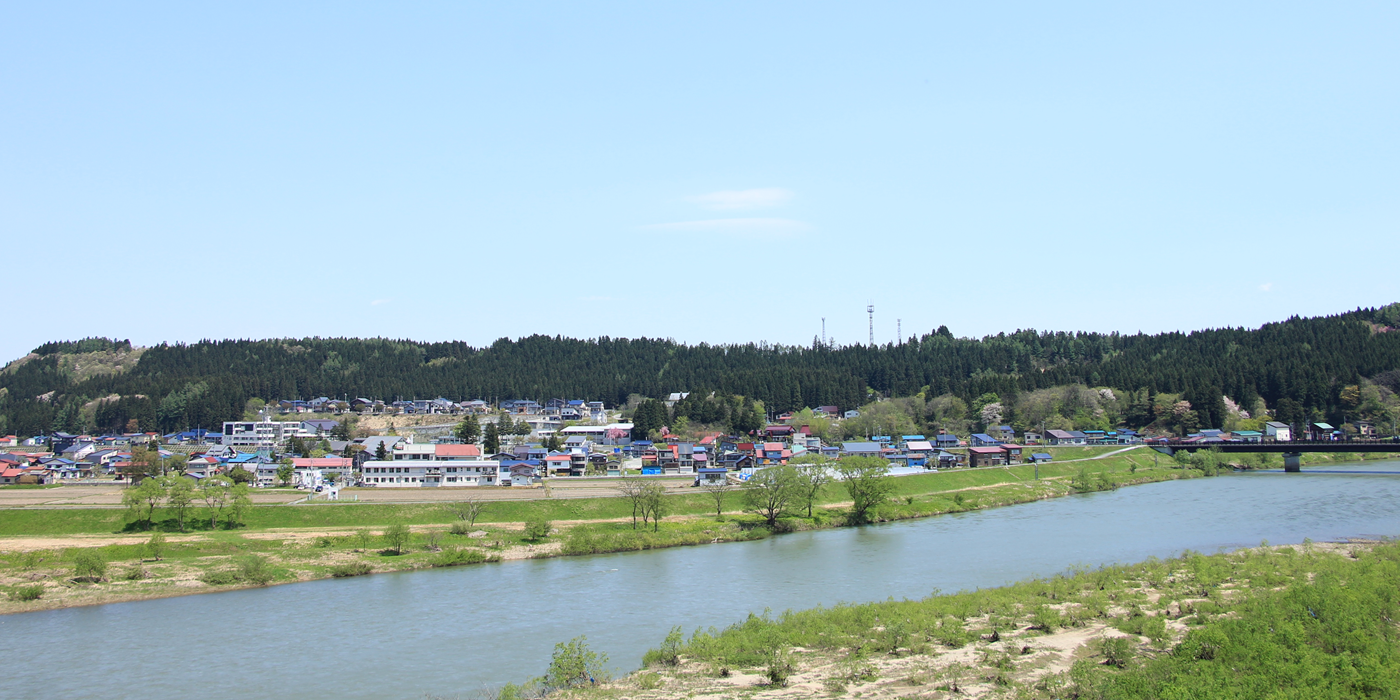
(715,172)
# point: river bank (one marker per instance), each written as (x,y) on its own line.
(209,562)
(1314,618)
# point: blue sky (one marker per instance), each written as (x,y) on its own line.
(718,172)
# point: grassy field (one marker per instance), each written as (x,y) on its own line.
(76,520)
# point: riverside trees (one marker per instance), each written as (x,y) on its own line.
(868,482)
(770,491)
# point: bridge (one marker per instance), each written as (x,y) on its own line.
(1292,451)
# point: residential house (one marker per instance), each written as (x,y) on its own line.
(946,440)
(1322,431)
(321,427)
(986,456)
(1031,438)
(1005,433)
(1041,457)
(1278,432)
(736,461)
(984,440)
(1365,428)
(9,441)
(779,431)
(706,476)
(1247,436)
(1013,452)
(918,452)
(1064,437)
(78,450)
(861,449)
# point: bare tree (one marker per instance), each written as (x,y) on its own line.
(468,510)
(718,490)
(633,489)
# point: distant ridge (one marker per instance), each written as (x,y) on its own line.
(1308,360)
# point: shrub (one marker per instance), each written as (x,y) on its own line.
(1117,651)
(670,652)
(220,578)
(779,667)
(1155,629)
(362,537)
(254,569)
(357,568)
(88,565)
(537,528)
(156,546)
(454,556)
(460,528)
(648,681)
(432,540)
(1046,619)
(396,536)
(26,594)
(574,664)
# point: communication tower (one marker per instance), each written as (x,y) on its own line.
(870,309)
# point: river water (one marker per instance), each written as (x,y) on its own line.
(448,632)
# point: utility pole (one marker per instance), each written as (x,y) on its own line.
(870,309)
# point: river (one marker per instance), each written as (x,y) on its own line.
(448,632)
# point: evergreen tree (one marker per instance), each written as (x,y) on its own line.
(491,443)
(469,430)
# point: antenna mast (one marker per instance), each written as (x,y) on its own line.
(823,331)
(899,331)
(870,309)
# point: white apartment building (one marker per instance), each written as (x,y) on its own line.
(411,473)
(268,433)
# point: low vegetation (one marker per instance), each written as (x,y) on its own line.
(1295,621)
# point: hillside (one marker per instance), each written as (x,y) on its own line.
(1304,364)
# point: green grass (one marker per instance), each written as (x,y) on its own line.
(20,521)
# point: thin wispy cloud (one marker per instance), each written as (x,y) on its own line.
(742,200)
(1266,287)
(738,227)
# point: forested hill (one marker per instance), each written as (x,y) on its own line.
(176,386)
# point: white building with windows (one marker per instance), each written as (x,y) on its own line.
(417,473)
(417,465)
(262,433)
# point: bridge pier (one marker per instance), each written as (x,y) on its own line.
(1293,461)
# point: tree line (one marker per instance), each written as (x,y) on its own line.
(1307,361)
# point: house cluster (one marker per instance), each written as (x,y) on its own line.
(564,409)
(1275,431)
(86,458)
